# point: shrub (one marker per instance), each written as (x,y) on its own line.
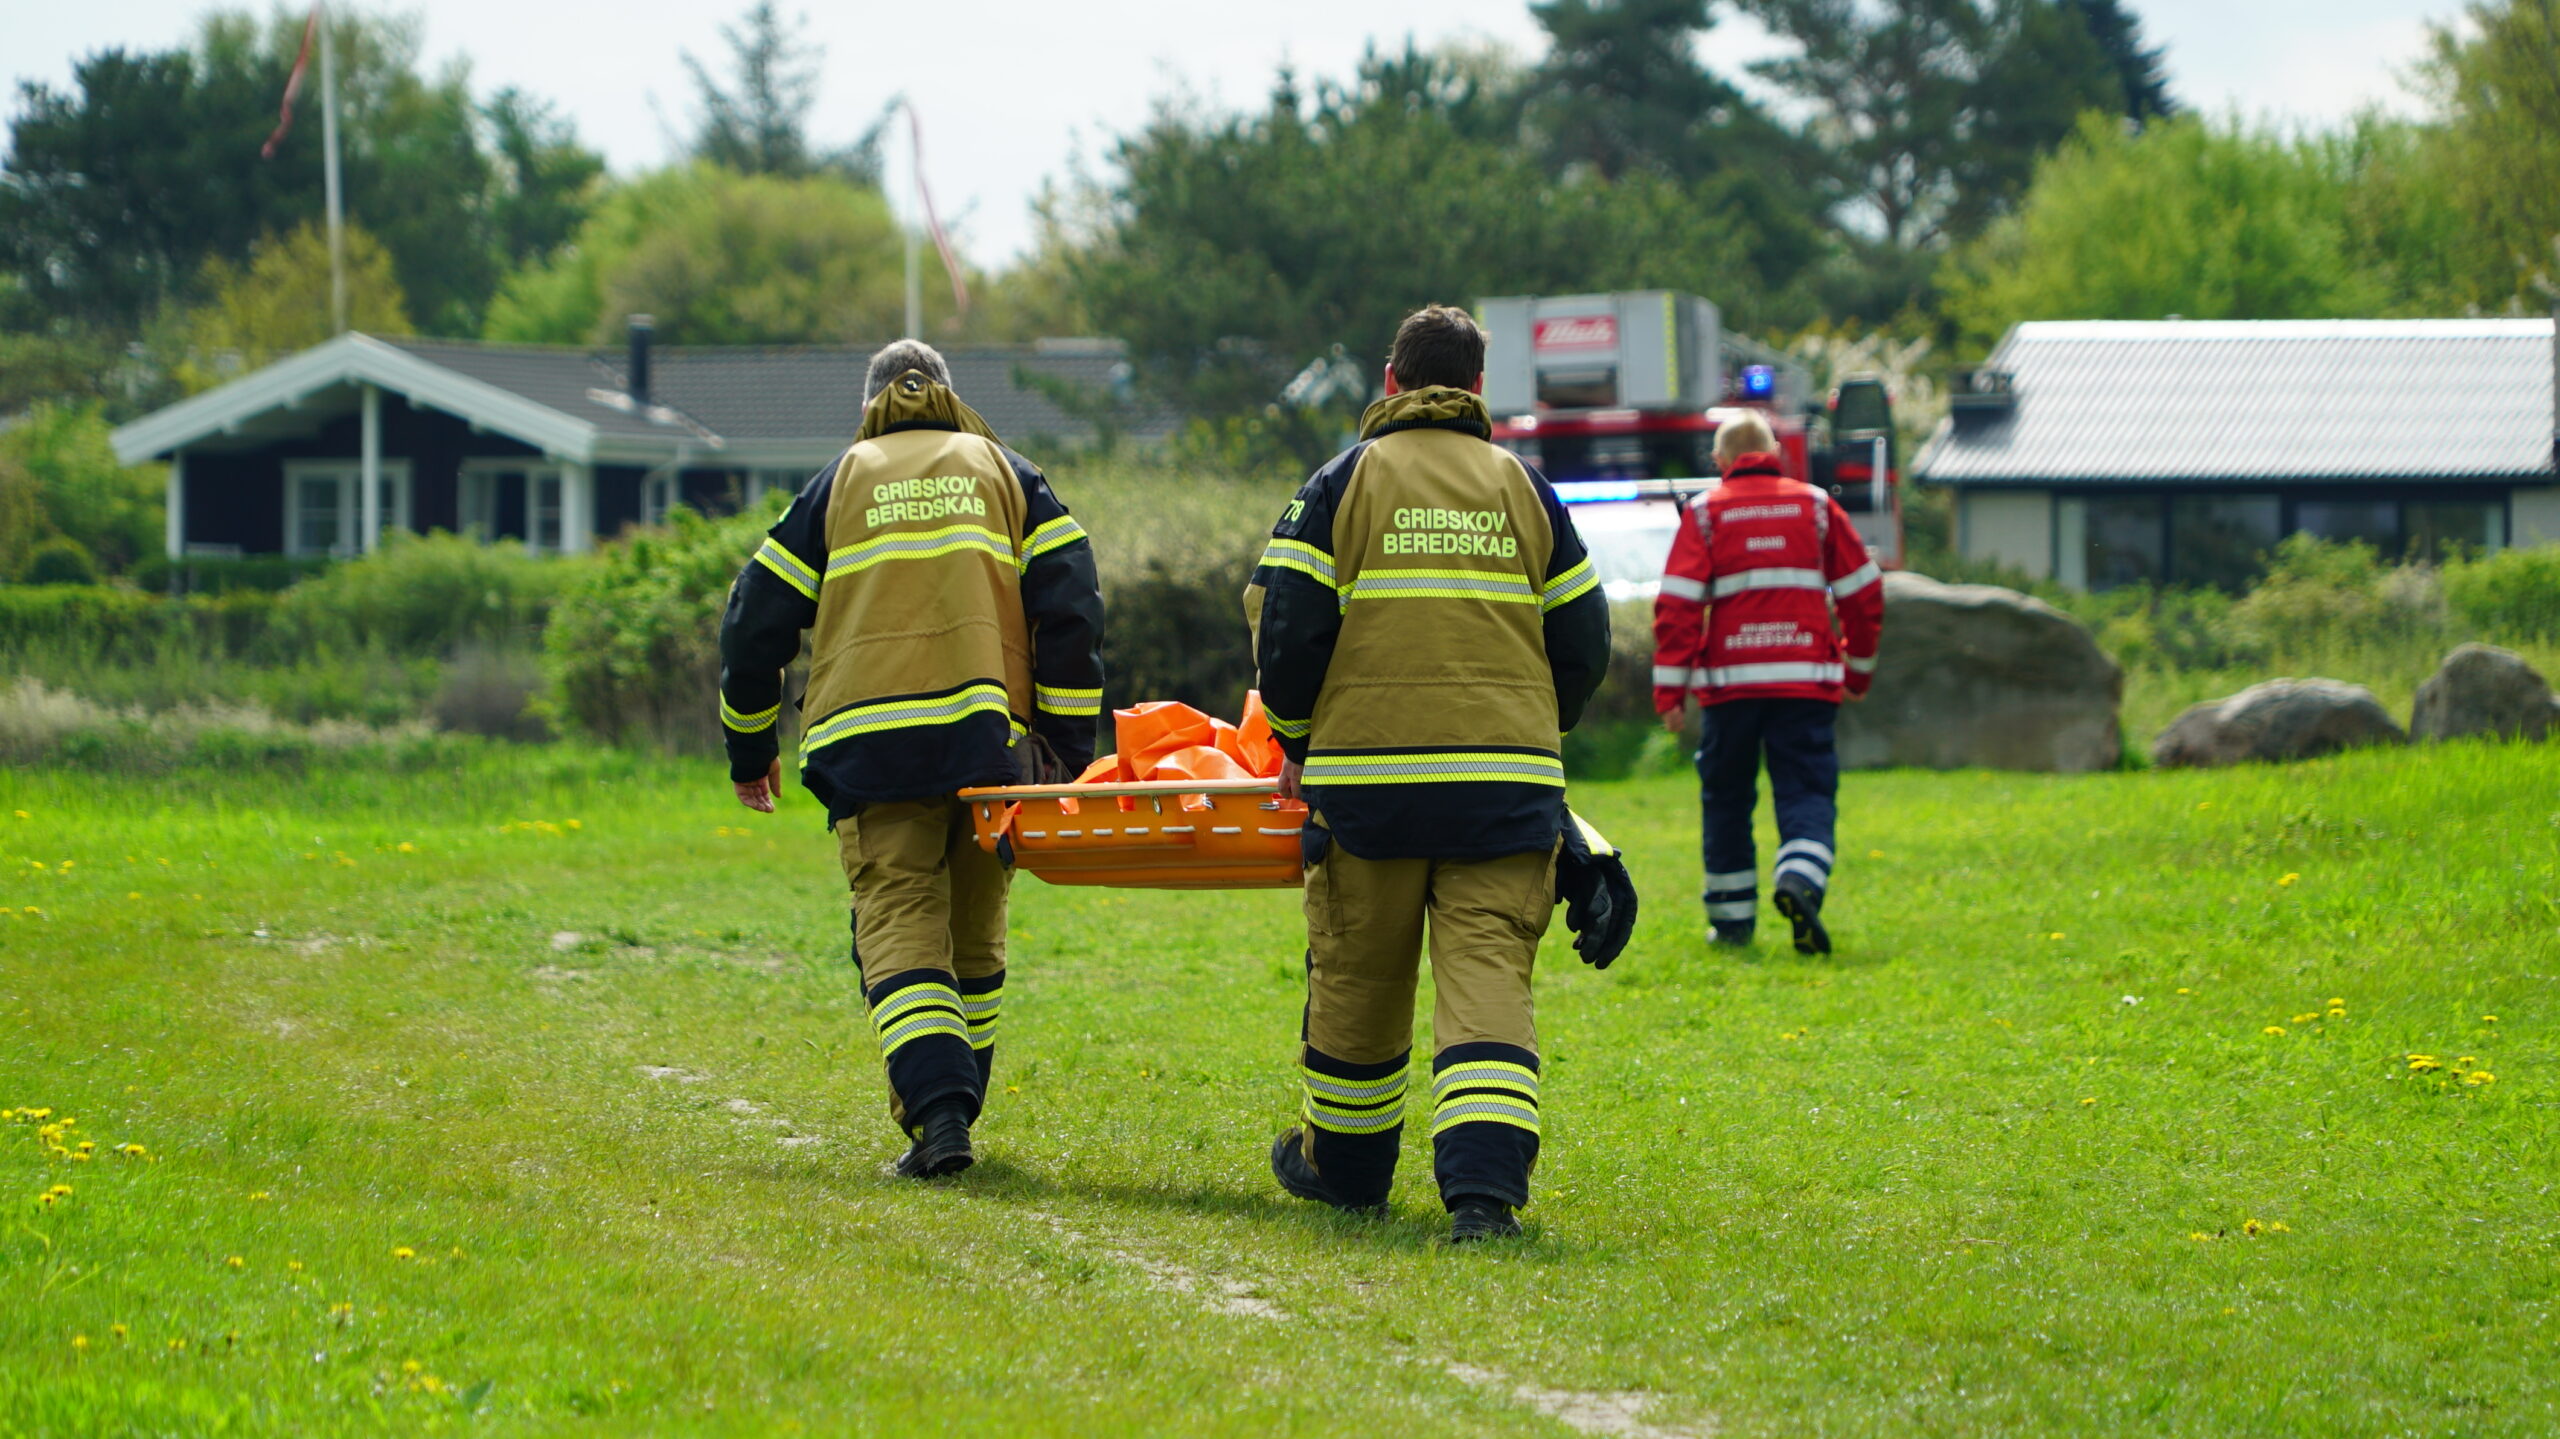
(209,576)
(2513,594)
(61,456)
(633,645)
(40,725)
(421,596)
(61,560)
(490,691)
(2321,597)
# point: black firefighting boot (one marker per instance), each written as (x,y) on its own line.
(1801,903)
(1289,1166)
(1732,935)
(941,1143)
(1476,1218)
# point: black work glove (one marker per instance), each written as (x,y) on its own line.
(1598,894)
(1040,762)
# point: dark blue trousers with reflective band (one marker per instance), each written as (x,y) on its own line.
(1794,737)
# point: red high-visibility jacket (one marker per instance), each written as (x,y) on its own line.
(1756,576)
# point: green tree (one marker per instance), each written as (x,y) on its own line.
(279,304)
(720,258)
(546,180)
(758,122)
(2496,81)
(2142,70)
(2183,218)
(59,455)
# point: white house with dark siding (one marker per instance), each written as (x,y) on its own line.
(554,446)
(2105,453)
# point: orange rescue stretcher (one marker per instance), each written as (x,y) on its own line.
(1187,802)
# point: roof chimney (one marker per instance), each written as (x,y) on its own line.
(636,376)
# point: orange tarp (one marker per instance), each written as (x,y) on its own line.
(1167,740)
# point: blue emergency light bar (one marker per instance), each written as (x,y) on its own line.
(1759,382)
(1602,492)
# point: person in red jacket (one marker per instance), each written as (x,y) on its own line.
(1760,571)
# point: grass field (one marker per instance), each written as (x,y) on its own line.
(536,1097)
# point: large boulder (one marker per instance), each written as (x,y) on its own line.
(2277,720)
(1974,676)
(2483,690)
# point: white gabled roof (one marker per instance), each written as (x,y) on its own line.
(354,358)
(2168,402)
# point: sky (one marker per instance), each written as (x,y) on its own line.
(1014,93)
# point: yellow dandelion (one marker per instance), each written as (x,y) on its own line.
(2252,1228)
(2201,1237)
(577,824)
(1875,854)
(87,1145)
(2304,1018)
(80,1342)
(2057,934)
(2091,1100)
(2488,1019)
(132,1151)
(118,1331)
(342,1312)
(133,894)
(2288,881)
(177,1346)
(2465,1062)
(411,1366)
(236,1262)
(404,1252)
(431,1383)
(31,909)
(2182,989)
(2278,1226)
(293,1266)
(76,1156)
(2337,1014)
(60,1191)
(2337,1004)
(22,814)
(2275,1029)
(405,847)
(2204,804)
(2423,1065)
(2479,1076)
(261,1194)
(457,1251)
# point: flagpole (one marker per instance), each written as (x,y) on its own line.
(915,227)
(329,168)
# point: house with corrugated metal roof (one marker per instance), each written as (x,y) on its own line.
(2107,453)
(324,451)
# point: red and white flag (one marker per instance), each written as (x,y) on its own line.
(293,85)
(941,241)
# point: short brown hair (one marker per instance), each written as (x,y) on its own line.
(1437,345)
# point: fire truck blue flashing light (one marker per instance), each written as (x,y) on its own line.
(1759,382)
(1593,492)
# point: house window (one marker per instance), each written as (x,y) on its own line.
(2123,541)
(2437,529)
(2217,540)
(2346,521)
(512,500)
(657,496)
(324,509)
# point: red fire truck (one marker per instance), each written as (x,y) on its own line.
(1616,399)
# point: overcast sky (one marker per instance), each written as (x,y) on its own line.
(1013,91)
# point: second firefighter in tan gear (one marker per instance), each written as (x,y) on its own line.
(1427,625)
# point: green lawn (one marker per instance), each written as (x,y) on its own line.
(537,1097)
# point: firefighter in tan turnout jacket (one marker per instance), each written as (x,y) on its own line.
(1426,625)
(958,631)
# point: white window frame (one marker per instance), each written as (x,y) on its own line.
(658,493)
(397,512)
(477,490)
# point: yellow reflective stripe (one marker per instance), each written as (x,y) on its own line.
(1485,1108)
(1578,580)
(1592,838)
(1066,701)
(1429,584)
(917,1011)
(1485,1071)
(1305,558)
(748,723)
(1351,1121)
(1445,767)
(1288,728)
(903,714)
(788,566)
(919,545)
(1353,1091)
(1057,534)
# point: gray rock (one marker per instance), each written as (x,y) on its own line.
(2484,690)
(2278,720)
(1974,676)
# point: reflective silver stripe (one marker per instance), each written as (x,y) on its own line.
(1672,677)
(1681,587)
(1734,879)
(748,723)
(1774,674)
(1856,580)
(1440,585)
(1819,874)
(1485,1072)
(899,714)
(1352,1122)
(1055,535)
(1859,666)
(1734,909)
(1288,728)
(1813,847)
(1773,579)
(1485,1108)
(925,545)
(1305,558)
(788,567)
(1066,701)
(1355,1091)
(1572,585)
(1391,769)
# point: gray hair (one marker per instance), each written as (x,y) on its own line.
(899,356)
